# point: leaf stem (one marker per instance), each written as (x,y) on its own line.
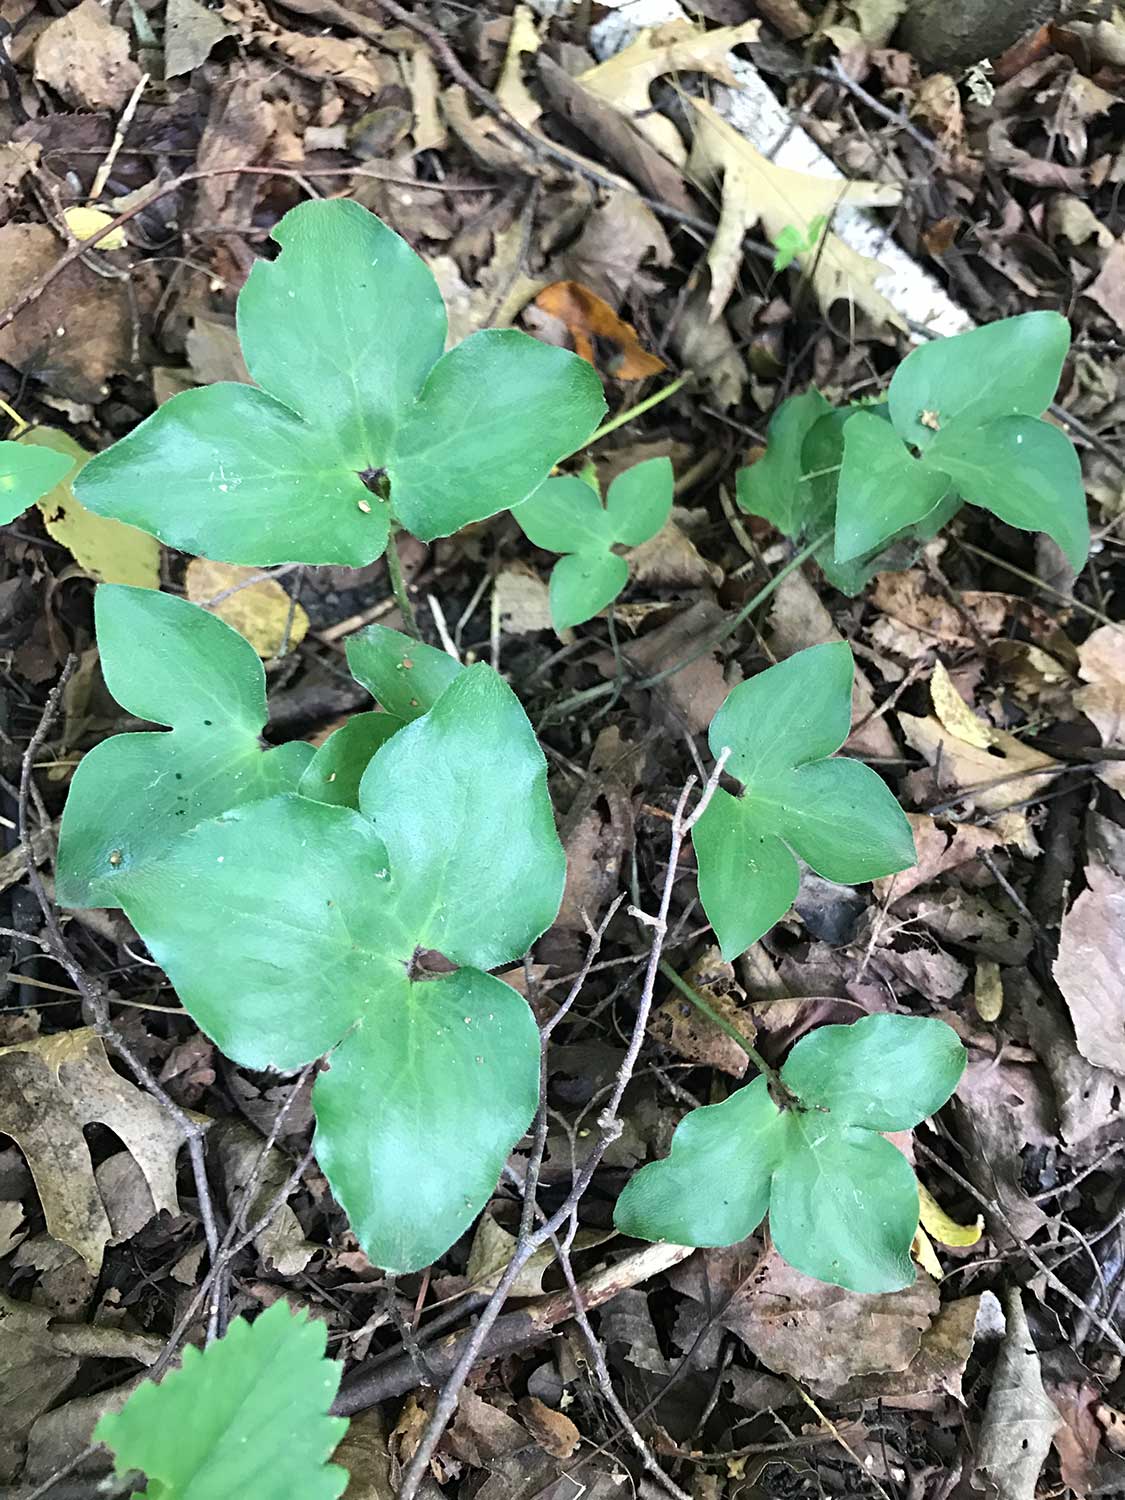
(398,584)
(635,411)
(21,425)
(685,989)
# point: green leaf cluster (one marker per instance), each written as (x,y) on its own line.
(782,729)
(292,926)
(842,1200)
(961,424)
(248,1416)
(357,417)
(565,514)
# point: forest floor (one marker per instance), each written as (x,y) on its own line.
(586,224)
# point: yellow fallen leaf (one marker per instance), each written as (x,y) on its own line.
(925,1254)
(988,990)
(624,80)
(84,222)
(109,550)
(755,190)
(944,1229)
(956,714)
(259,611)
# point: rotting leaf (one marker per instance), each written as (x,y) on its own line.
(755,190)
(600,336)
(1019,1419)
(34,1371)
(262,612)
(1089,966)
(52,1087)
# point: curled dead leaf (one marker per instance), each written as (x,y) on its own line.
(598,334)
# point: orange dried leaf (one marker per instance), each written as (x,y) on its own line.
(600,336)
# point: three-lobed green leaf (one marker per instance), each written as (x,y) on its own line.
(27,473)
(782,727)
(842,1200)
(566,515)
(343,334)
(323,910)
(971,406)
(247,1416)
(133,796)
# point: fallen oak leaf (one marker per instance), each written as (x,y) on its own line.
(677,47)
(755,190)
(600,337)
(52,1087)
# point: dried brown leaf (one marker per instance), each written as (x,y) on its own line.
(85,58)
(599,335)
(757,191)
(52,1087)
(1089,966)
(1102,666)
(1019,1419)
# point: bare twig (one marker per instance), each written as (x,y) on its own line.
(609,1130)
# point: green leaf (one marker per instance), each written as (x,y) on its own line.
(773,487)
(1008,368)
(344,332)
(26,473)
(134,795)
(565,515)
(321,913)
(836,814)
(1023,470)
(494,417)
(248,1416)
(336,770)
(472,844)
(404,676)
(843,1202)
(584,584)
(883,489)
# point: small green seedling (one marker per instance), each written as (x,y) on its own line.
(962,424)
(246,1417)
(26,475)
(810,1148)
(781,729)
(358,420)
(792,241)
(325,913)
(566,515)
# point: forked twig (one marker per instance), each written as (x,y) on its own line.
(609,1129)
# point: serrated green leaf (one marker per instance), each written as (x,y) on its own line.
(842,1201)
(773,487)
(216,1427)
(134,795)
(1023,470)
(343,332)
(26,473)
(404,676)
(322,911)
(565,515)
(882,490)
(1007,368)
(836,814)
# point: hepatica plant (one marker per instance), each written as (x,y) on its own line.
(357,419)
(566,515)
(962,424)
(28,473)
(293,924)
